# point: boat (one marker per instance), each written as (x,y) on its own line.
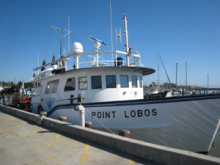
(16,97)
(155,92)
(111,91)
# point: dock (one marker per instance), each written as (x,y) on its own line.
(28,138)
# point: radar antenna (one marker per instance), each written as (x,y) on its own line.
(97,44)
(96,40)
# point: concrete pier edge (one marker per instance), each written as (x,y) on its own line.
(148,151)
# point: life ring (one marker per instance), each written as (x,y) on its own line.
(40,109)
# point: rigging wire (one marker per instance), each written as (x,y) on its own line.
(165,70)
(47,46)
(46,42)
(74,37)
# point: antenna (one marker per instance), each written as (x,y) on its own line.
(61,35)
(118,37)
(111,26)
(68,34)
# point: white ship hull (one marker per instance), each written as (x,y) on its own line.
(188,123)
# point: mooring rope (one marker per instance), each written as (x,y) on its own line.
(99,121)
(86,112)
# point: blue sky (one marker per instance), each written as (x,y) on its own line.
(182,31)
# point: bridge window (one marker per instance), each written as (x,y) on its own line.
(110,81)
(82,82)
(70,84)
(124,81)
(52,87)
(140,82)
(96,82)
(134,81)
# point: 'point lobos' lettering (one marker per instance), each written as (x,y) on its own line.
(108,114)
(140,113)
(127,114)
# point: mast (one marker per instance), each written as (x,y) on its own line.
(158,63)
(207,83)
(38,64)
(176,73)
(126,33)
(186,74)
(126,39)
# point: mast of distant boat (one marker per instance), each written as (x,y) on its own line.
(176,73)
(207,83)
(158,63)
(38,64)
(186,74)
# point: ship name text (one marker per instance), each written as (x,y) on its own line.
(127,114)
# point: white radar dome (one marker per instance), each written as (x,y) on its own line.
(76,48)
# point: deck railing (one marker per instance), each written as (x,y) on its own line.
(109,58)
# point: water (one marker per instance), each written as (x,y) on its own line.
(215,149)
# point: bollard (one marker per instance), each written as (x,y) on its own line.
(124,133)
(88,124)
(62,118)
(42,113)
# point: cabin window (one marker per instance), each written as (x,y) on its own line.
(52,87)
(96,82)
(70,84)
(110,81)
(82,83)
(38,87)
(124,81)
(134,81)
(140,81)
